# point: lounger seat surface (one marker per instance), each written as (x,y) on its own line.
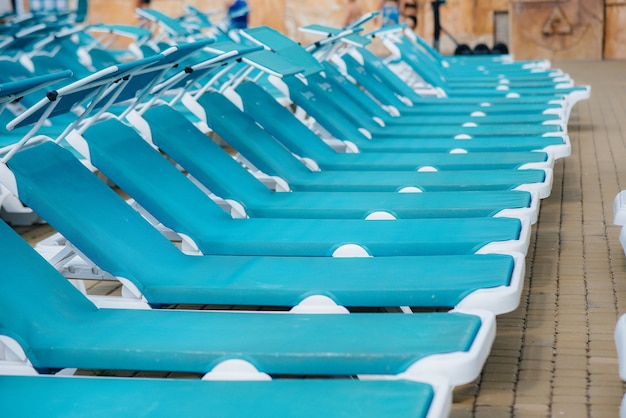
(140,397)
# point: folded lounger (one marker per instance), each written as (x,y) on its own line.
(179,139)
(57,327)
(140,397)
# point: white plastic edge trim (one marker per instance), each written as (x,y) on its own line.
(380,215)
(513,245)
(619,208)
(235,369)
(350,250)
(318,304)
(460,367)
(620,343)
(410,189)
(7,178)
(542,189)
(501,299)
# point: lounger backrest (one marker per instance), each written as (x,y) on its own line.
(343,103)
(33,295)
(88,212)
(286,48)
(364,102)
(122,155)
(371,82)
(201,157)
(291,132)
(317,106)
(242,133)
(423,66)
(375,65)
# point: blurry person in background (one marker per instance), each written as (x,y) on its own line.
(237,12)
(389,12)
(353,12)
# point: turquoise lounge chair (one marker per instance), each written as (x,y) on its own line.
(267,155)
(142,397)
(179,139)
(294,135)
(57,327)
(150,179)
(116,238)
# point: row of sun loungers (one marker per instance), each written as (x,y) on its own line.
(378,209)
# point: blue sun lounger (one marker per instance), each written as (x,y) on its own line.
(317,105)
(49,179)
(294,135)
(142,397)
(179,139)
(150,179)
(57,327)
